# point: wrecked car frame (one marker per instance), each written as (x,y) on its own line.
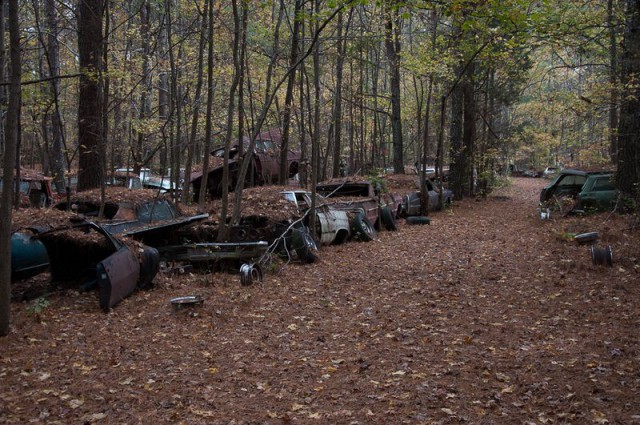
(362,196)
(265,165)
(87,256)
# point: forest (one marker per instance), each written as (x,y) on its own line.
(491,309)
(357,86)
(479,88)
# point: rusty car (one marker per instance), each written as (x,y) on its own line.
(140,214)
(87,256)
(145,216)
(80,254)
(374,207)
(265,164)
(412,202)
(281,217)
(35,188)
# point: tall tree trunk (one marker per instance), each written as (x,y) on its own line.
(288,101)
(196,109)
(424,193)
(392,44)
(104,88)
(138,153)
(11,142)
(57,131)
(376,140)
(163,91)
(468,132)
(242,58)
(226,182)
(90,101)
(456,149)
(440,144)
(337,99)
(352,124)
(175,108)
(613,80)
(303,172)
(3,59)
(209,115)
(362,155)
(629,128)
(315,137)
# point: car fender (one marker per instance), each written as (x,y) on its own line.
(330,224)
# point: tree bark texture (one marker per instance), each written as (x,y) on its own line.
(90,102)
(191,144)
(3,59)
(392,44)
(468,131)
(629,128)
(209,114)
(288,101)
(57,134)
(456,147)
(613,79)
(337,101)
(11,142)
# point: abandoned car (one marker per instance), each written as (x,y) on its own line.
(35,189)
(363,198)
(88,256)
(28,255)
(155,221)
(332,225)
(81,254)
(412,203)
(567,184)
(599,192)
(264,169)
(124,179)
(161,184)
(280,218)
(141,214)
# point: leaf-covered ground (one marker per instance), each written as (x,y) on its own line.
(488,315)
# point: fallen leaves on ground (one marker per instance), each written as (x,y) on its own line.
(488,315)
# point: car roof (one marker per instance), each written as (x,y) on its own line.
(576,172)
(573,172)
(600,176)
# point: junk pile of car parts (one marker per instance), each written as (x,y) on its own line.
(85,255)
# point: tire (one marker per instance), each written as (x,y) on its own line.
(419,219)
(388,220)
(362,228)
(304,245)
(250,273)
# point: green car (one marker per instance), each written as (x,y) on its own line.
(598,193)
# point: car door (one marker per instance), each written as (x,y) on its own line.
(117,277)
(569,185)
(434,195)
(603,193)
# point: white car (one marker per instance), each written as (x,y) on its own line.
(332,225)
